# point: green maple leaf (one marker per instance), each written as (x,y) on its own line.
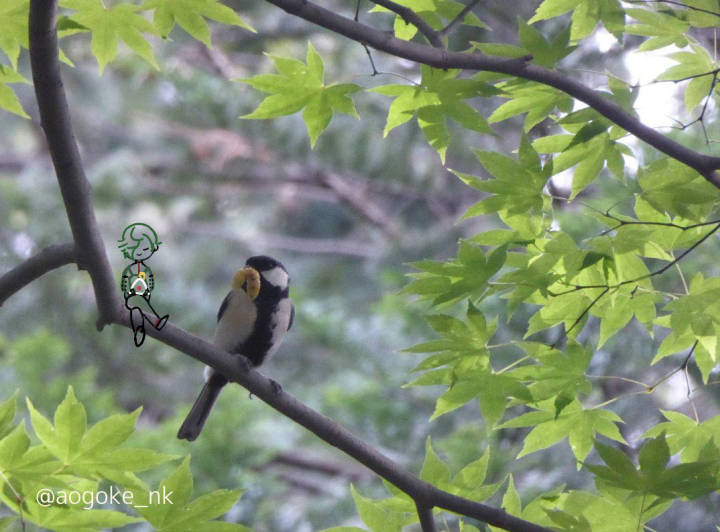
(97,449)
(535,99)
(435,12)
(74,518)
(574,422)
(580,511)
(695,63)
(190,15)
(688,480)
(169,508)
(14,15)
(491,389)
(693,319)
(8,99)
(389,514)
(556,373)
(14,22)
(439,96)
(515,189)
(300,86)
(684,434)
(111,24)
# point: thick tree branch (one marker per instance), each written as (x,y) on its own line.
(441,58)
(46,260)
(76,193)
(75,189)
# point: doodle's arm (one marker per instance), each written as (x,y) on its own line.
(125,282)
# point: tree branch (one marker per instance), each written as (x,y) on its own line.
(675,3)
(359,201)
(75,189)
(459,18)
(317,464)
(46,260)
(237,369)
(705,165)
(425,513)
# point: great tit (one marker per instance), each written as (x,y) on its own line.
(252,321)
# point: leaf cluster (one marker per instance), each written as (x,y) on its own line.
(81,466)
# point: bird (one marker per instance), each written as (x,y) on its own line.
(252,322)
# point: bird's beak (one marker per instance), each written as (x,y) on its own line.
(250,278)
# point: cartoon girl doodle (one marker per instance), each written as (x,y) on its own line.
(138,243)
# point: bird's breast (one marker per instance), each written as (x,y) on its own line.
(279,324)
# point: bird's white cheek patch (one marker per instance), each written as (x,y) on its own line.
(276,277)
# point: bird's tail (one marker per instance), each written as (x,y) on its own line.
(195,420)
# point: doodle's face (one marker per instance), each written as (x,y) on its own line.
(144,250)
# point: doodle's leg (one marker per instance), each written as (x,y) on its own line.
(159,321)
(136,320)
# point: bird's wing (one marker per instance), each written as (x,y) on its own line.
(223,306)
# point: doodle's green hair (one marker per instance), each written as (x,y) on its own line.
(133,234)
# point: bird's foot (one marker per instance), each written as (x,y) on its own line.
(276,388)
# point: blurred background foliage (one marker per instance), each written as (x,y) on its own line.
(167,148)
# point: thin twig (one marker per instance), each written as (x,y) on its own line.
(647,388)
(701,116)
(615,377)
(622,222)
(375,71)
(425,513)
(675,3)
(459,18)
(682,277)
(607,287)
(660,271)
(689,395)
(18,499)
(693,76)
(587,309)
(682,367)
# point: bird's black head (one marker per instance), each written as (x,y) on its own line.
(272,271)
(263,263)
